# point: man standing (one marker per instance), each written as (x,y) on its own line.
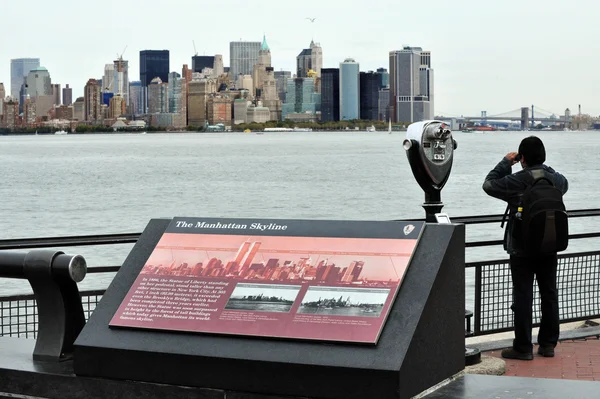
(524,265)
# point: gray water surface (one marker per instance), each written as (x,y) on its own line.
(96,184)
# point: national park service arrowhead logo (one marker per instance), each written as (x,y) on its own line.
(408,229)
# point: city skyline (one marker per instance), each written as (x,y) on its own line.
(496,64)
(285,258)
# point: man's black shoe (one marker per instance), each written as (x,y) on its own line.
(546,351)
(513,354)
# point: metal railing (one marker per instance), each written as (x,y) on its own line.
(578,282)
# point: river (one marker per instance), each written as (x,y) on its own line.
(94,184)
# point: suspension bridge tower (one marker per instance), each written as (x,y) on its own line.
(524,118)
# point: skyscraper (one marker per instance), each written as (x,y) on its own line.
(300,97)
(67,95)
(39,90)
(310,59)
(260,68)
(384,78)
(2,96)
(199,62)
(369,95)
(56,93)
(281,78)
(218,65)
(92,99)
(157,96)
(153,64)
(19,68)
(349,90)
(121,79)
(411,85)
(136,98)
(174,91)
(242,57)
(108,81)
(330,94)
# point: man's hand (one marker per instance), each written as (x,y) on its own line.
(511,156)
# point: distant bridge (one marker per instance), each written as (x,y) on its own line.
(527,116)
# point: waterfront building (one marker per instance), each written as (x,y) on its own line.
(330,94)
(2,96)
(258,113)
(281,78)
(29,112)
(67,95)
(411,85)
(137,94)
(240,110)
(108,84)
(162,120)
(199,62)
(176,93)
(242,57)
(79,109)
(384,104)
(56,93)
(349,90)
(92,95)
(10,114)
(154,64)
(219,110)
(299,97)
(64,112)
(121,78)
(199,91)
(157,96)
(19,69)
(369,95)
(309,59)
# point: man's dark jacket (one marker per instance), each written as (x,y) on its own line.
(501,183)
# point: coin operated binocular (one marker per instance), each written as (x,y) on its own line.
(430,147)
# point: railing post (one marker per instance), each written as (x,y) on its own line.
(53,276)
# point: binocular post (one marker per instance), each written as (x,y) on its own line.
(433,204)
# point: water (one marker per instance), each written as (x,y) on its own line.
(94,184)
(259,306)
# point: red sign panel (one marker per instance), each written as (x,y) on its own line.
(227,280)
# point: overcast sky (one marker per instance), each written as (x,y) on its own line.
(487,55)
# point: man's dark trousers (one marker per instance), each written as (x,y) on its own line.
(523,269)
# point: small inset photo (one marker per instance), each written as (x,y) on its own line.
(339,301)
(263,297)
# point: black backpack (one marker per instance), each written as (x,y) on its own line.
(543,226)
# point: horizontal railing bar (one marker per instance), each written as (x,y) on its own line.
(70,241)
(31,297)
(103,269)
(497,218)
(131,238)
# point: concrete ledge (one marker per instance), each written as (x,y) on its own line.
(489,366)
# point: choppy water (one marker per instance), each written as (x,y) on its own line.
(93,184)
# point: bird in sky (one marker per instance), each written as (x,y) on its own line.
(311,19)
